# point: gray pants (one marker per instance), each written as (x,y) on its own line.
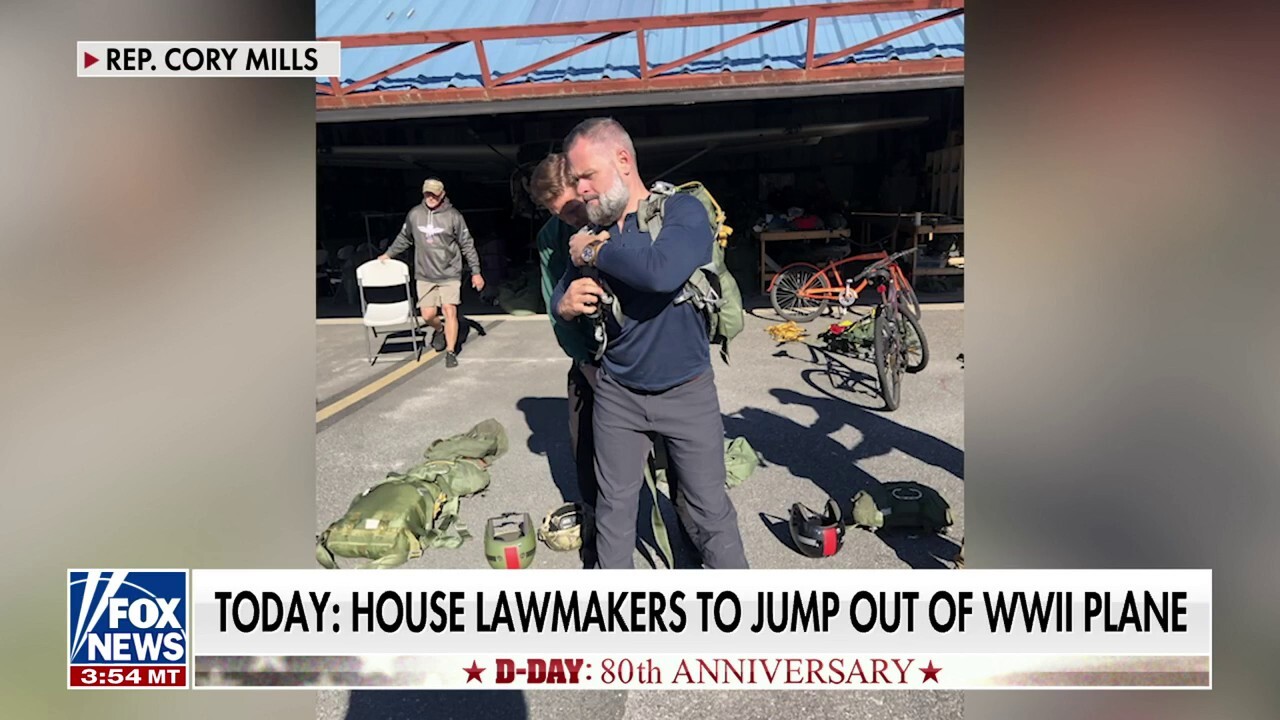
(687,418)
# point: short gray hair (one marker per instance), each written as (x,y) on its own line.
(601,129)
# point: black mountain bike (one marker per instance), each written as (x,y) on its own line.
(898,340)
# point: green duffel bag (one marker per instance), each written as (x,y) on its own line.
(461,463)
(740,461)
(486,441)
(459,478)
(901,505)
(392,522)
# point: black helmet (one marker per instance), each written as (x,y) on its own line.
(509,541)
(817,535)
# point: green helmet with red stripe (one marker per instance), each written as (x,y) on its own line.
(509,541)
(815,535)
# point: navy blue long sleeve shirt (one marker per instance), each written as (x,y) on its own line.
(659,345)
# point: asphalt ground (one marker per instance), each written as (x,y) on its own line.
(816,419)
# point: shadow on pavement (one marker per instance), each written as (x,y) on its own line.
(548,421)
(880,435)
(844,377)
(803,452)
(833,468)
(388,345)
(840,374)
(922,551)
(778,526)
(437,705)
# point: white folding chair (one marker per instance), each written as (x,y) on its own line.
(387,316)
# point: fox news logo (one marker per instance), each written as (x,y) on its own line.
(127,628)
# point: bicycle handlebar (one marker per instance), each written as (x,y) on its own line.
(881,265)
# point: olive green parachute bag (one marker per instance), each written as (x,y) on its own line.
(396,520)
(463,460)
(390,523)
(901,505)
(711,289)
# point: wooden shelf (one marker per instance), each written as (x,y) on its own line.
(775,235)
(895,215)
(939,229)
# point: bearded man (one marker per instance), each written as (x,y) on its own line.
(655,378)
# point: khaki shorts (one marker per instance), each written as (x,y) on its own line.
(436,294)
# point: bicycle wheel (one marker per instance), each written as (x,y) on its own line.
(915,344)
(908,294)
(889,356)
(785,294)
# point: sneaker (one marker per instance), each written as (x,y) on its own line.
(451,360)
(437,341)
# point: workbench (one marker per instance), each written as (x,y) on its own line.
(769,268)
(928,231)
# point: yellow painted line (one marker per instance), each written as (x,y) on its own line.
(338,406)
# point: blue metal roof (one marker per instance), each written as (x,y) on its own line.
(779,50)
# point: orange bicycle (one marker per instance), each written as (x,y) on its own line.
(898,341)
(801,291)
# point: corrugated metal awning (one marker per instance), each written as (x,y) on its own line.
(390,80)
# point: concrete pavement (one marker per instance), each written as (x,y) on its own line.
(816,420)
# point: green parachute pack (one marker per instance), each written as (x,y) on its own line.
(409,512)
(711,288)
(901,505)
(740,461)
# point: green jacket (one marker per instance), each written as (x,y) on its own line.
(553,257)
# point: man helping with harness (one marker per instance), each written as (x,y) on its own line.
(552,188)
(656,377)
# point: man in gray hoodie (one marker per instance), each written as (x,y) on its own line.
(441,241)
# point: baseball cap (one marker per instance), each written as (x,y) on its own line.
(433,186)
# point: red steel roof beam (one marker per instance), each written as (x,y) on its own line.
(397,68)
(486,78)
(722,46)
(850,71)
(832,57)
(625,25)
(558,57)
(642,54)
(810,41)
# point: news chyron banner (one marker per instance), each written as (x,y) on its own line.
(208,59)
(729,629)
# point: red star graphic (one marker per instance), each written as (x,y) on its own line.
(930,672)
(473,672)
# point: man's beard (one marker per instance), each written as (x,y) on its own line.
(611,203)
